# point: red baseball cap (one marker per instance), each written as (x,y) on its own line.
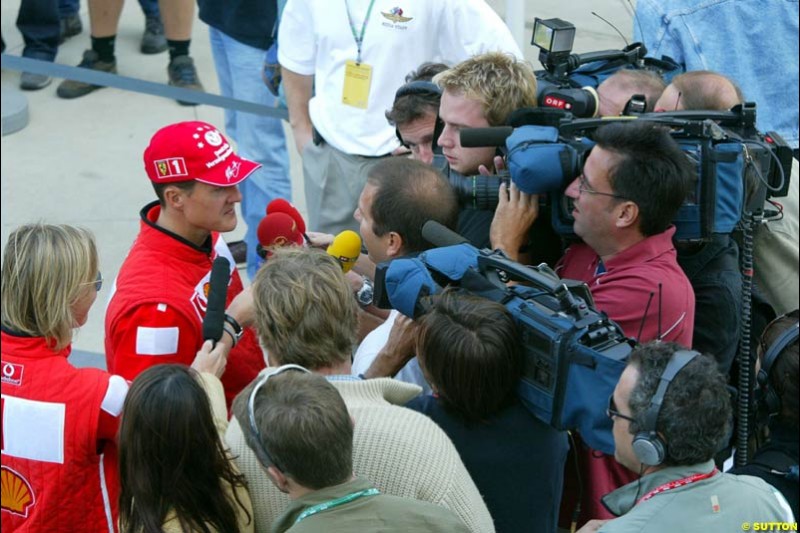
(196,151)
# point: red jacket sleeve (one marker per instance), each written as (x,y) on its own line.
(152,334)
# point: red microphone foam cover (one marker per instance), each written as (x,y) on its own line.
(278,229)
(279,205)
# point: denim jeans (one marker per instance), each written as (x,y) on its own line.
(37,21)
(70,7)
(753,42)
(257,137)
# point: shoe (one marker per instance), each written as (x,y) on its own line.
(153,40)
(182,73)
(33,82)
(71,26)
(238,251)
(74,89)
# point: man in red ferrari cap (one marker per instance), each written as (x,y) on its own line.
(160,295)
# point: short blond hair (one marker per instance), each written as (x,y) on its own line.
(499,81)
(46,269)
(305,311)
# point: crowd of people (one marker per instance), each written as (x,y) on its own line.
(313,409)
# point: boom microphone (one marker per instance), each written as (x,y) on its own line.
(346,248)
(440,235)
(478,137)
(217,296)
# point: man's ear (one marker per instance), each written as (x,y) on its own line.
(174,198)
(627,214)
(278,479)
(395,245)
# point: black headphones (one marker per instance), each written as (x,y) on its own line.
(648,446)
(415,87)
(767,396)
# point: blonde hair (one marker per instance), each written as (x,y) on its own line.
(500,82)
(46,269)
(305,312)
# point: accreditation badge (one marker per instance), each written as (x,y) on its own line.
(357,79)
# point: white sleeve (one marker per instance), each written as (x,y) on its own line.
(472,27)
(372,344)
(297,49)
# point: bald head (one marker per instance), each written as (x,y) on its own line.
(700,90)
(617,89)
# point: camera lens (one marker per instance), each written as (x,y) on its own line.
(477,192)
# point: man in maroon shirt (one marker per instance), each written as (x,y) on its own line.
(631,187)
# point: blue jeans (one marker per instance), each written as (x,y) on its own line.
(37,21)
(70,7)
(257,137)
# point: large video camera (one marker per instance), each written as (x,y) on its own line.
(568,81)
(573,354)
(737,168)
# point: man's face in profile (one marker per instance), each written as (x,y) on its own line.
(418,136)
(457,111)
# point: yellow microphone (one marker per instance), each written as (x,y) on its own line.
(345,248)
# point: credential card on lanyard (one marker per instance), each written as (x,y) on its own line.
(357,79)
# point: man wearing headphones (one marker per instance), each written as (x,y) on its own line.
(415,109)
(776,461)
(671,409)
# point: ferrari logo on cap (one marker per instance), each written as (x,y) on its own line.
(171,168)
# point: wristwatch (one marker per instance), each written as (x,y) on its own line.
(238,331)
(365,293)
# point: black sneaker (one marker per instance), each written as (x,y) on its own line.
(182,73)
(74,89)
(70,27)
(153,39)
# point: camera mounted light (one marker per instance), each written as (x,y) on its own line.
(554,37)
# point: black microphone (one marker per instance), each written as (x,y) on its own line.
(439,235)
(217,296)
(478,137)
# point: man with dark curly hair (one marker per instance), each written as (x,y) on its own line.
(671,410)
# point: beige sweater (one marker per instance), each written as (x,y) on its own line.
(401,451)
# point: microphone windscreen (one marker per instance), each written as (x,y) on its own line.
(346,248)
(278,229)
(477,137)
(279,205)
(217,296)
(440,235)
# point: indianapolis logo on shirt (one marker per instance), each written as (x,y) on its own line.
(16,493)
(396,15)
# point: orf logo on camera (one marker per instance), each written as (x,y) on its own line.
(12,374)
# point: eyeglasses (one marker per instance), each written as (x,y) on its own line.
(611,411)
(98,282)
(268,459)
(583,186)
